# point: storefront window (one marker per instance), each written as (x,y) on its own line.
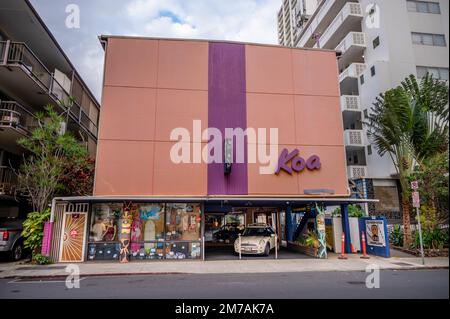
(147,231)
(183,250)
(183,222)
(104,222)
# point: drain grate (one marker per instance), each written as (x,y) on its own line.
(401,264)
(40,267)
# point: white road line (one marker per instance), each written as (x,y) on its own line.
(17,281)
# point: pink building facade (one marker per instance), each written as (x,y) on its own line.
(160,194)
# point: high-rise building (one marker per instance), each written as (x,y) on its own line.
(35,72)
(381,42)
(291,17)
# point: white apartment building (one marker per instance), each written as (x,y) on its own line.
(292,16)
(381,43)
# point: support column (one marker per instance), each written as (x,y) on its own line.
(346,227)
(289,225)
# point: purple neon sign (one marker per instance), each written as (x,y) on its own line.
(298,164)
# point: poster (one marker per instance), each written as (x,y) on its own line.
(375,233)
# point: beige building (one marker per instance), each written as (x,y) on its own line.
(381,42)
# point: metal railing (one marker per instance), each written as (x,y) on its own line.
(12,114)
(18,53)
(8,181)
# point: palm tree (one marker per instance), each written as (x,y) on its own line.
(410,124)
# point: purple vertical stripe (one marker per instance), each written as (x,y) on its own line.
(227,109)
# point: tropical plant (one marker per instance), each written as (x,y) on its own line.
(432,239)
(410,124)
(53,157)
(396,236)
(309,239)
(353,211)
(33,230)
(40,259)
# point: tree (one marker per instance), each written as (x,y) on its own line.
(410,124)
(51,157)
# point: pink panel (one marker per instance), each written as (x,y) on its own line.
(319,120)
(332,174)
(268,69)
(124,168)
(131,62)
(178,108)
(183,65)
(261,184)
(177,179)
(128,113)
(272,111)
(315,72)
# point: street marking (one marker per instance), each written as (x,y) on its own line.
(19,281)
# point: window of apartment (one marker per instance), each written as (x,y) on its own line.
(438,73)
(428,39)
(369,149)
(372,70)
(361,79)
(366,113)
(376,42)
(423,7)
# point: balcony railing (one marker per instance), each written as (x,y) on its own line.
(352,39)
(354,71)
(350,103)
(323,12)
(349,9)
(14,115)
(356,171)
(8,181)
(354,138)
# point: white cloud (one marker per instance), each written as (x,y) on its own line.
(237,20)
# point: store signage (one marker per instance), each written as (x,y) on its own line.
(298,164)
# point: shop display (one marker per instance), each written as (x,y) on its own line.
(183,250)
(103,251)
(104,225)
(183,222)
(125,232)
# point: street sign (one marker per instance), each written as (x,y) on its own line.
(415,185)
(416,199)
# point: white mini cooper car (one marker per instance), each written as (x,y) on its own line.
(256,239)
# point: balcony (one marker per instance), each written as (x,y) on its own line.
(350,103)
(8,181)
(15,116)
(24,75)
(320,20)
(347,20)
(352,48)
(356,171)
(348,79)
(354,138)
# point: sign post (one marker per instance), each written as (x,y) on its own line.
(416,204)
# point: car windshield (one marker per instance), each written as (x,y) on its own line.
(256,231)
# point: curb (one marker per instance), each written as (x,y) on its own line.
(191,273)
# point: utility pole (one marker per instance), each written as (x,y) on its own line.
(416,204)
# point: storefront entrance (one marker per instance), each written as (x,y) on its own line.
(72,245)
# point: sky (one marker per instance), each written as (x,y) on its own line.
(238,20)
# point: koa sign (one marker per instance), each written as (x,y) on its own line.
(298,163)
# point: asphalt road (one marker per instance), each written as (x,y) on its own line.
(393,284)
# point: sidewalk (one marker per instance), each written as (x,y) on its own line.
(353,263)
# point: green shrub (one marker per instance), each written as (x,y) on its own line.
(396,236)
(33,230)
(40,259)
(432,239)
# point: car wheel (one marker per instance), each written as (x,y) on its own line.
(17,252)
(267,250)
